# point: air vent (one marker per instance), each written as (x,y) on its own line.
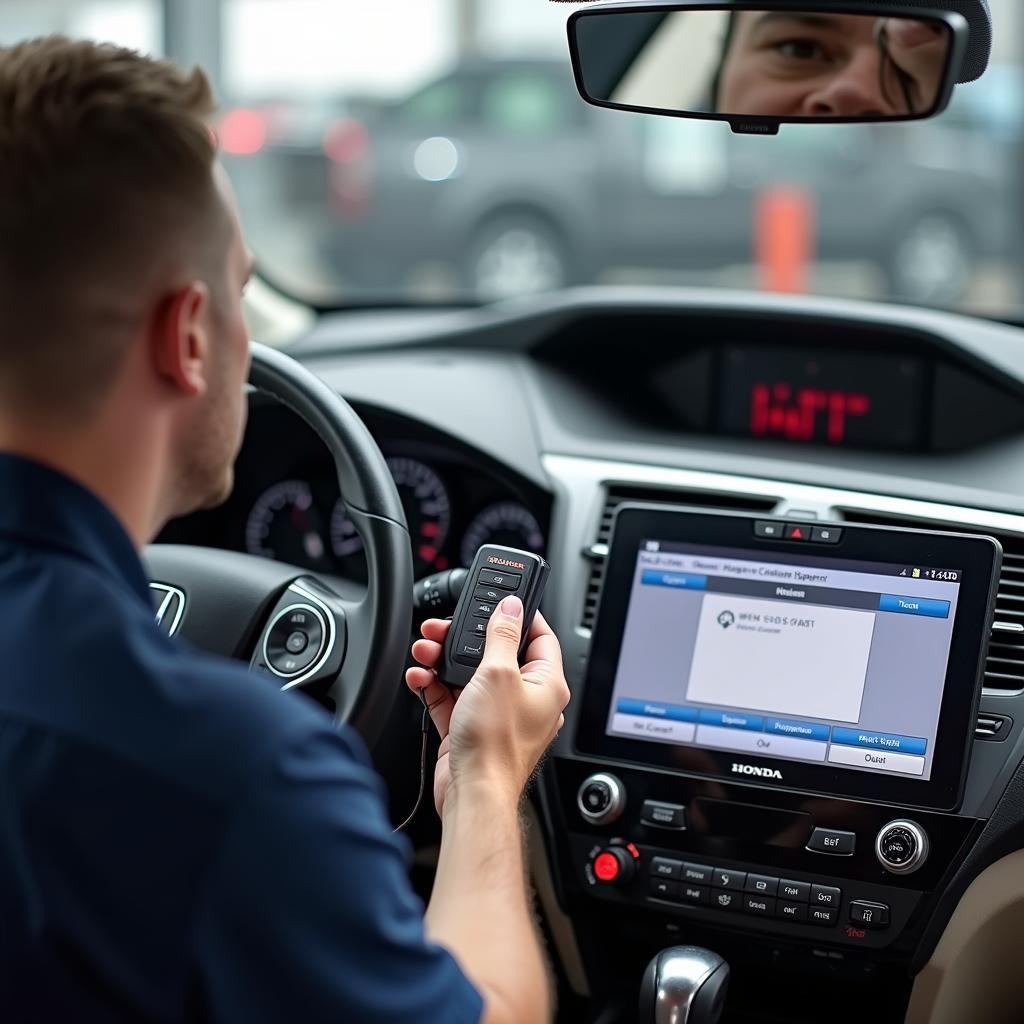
(1004,664)
(598,551)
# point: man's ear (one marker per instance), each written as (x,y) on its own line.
(181,343)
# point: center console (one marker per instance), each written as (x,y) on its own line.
(774,732)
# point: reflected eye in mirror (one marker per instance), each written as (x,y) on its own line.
(757,68)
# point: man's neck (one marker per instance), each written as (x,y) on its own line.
(119,466)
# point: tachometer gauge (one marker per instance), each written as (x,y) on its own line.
(507,523)
(427,510)
(286,525)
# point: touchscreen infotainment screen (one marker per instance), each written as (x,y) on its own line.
(726,650)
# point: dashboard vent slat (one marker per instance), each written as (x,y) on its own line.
(597,551)
(1004,661)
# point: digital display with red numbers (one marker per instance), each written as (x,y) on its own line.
(840,399)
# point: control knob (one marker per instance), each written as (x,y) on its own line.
(901,847)
(601,799)
(613,865)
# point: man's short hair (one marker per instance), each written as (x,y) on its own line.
(106,185)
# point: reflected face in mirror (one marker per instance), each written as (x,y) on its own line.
(793,64)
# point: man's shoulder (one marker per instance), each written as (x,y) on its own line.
(108,678)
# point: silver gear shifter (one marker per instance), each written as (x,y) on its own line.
(684,985)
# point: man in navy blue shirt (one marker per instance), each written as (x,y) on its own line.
(178,839)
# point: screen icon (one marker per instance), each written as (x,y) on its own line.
(916,574)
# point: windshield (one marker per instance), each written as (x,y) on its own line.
(437,151)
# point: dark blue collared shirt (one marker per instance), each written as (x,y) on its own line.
(179,840)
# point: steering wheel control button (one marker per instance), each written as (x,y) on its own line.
(791,911)
(772,531)
(662,867)
(661,815)
(826,896)
(294,640)
(901,847)
(795,892)
(823,915)
(762,885)
(297,642)
(837,844)
(869,915)
(725,879)
(760,905)
(601,798)
(698,874)
(501,580)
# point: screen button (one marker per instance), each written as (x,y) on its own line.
(692,893)
(876,760)
(763,885)
(732,720)
(726,879)
(870,915)
(663,888)
(913,606)
(773,531)
(676,580)
(798,730)
(761,905)
(726,900)
(660,815)
(663,867)
(799,892)
(792,911)
(825,896)
(826,534)
(827,840)
(879,741)
(675,712)
(823,915)
(699,873)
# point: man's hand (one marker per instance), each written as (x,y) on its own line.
(498,726)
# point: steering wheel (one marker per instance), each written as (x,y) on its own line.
(345,644)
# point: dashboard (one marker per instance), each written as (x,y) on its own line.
(286,505)
(664,813)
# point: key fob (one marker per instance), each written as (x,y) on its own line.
(495,573)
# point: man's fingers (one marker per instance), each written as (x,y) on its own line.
(439,699)
(544,652)
(427,652)
(504,631)
(436,629)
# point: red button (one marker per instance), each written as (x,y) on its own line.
(606,867)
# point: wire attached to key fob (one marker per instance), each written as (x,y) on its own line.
(496,573)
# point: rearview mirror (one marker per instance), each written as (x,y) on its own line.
(758,65)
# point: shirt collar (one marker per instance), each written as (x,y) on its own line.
(48,509)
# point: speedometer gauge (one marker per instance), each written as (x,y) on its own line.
(286,525)
(507,523)
(427,510)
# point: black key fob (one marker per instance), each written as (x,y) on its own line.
(496,573)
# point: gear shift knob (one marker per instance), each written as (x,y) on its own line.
(684,985)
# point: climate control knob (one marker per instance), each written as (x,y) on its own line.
(614,865)
(601,799)
(901,847)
